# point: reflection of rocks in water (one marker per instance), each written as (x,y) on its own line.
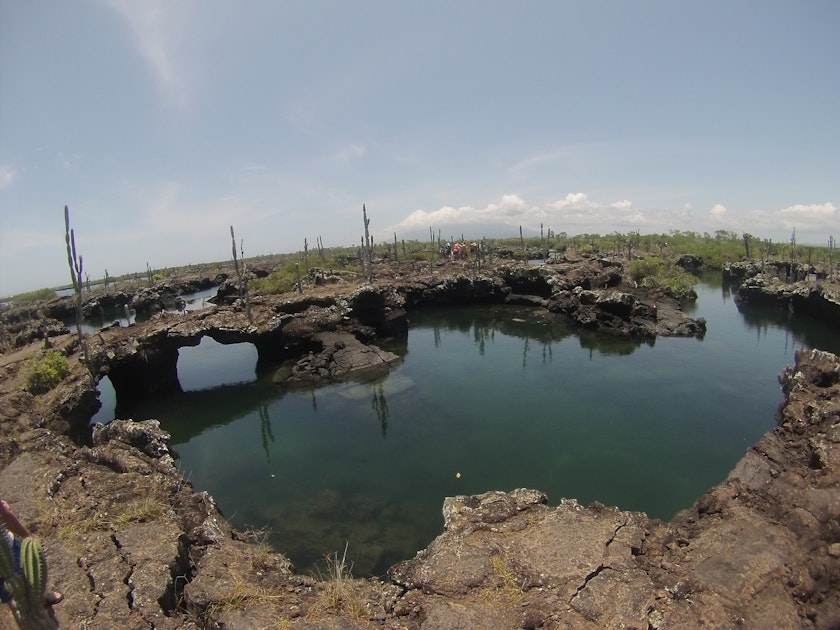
(611,346)
(283,371)
(394,384)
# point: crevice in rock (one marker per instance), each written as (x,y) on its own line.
(181,573)
(591,576)
(617,529)
(130,571)
(84,566)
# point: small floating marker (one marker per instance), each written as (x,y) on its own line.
(273,475)
(457,475)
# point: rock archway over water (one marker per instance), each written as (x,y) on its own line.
(337,335)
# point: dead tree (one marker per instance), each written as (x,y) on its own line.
(747,238)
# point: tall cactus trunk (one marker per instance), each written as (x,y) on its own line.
(76,264)
(241,270)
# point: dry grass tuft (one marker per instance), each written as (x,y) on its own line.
(506,585)
(243,594)
(341,593)
(506,577)
(140,511)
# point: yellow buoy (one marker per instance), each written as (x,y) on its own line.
(457,475)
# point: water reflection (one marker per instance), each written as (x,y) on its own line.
(529,325)
(189,414)
(801,330)
(611,345)
(380,405)
(265,432)
(507,397)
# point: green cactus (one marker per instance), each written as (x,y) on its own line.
(27,586)
(34,566)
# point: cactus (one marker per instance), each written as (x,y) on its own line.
(241,273)
(27,586)
(76,264)
(34,567)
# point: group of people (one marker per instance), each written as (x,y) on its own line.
(458,251)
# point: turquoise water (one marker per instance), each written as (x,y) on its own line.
(484,399)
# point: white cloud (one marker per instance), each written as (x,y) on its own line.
(822,217)
(8,176)
(718,212)
(155,36)
(573,201)
(813,215)
(575,211)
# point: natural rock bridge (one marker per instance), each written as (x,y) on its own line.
(342,329)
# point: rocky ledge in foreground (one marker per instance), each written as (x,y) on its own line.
(133,546)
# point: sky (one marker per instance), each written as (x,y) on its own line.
(161,123)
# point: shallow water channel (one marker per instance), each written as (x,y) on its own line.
(490,398)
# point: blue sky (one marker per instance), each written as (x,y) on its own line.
(161,123)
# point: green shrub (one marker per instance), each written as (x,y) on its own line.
(652,272)
(34,296)
(647,267)
(284,279)
(44,373)
(281,281)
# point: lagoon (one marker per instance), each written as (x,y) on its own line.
(489,398)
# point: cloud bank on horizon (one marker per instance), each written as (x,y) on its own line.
(576,213)
(161,124)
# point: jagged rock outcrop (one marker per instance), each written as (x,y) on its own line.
(785,270)
(583,290)
(690,262)
(806,297)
